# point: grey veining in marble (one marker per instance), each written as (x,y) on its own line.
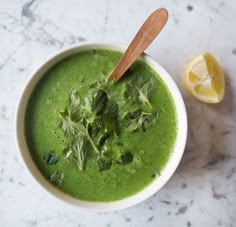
(202,192)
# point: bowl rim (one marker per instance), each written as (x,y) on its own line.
(132,200)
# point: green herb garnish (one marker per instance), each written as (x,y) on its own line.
(110,118)
(103,164)
(94,104)
(71,117)
(50,158)
(140,91)
(93,124)
(74,106)
(57,178)
(88,124)
(77,152)
(139,120)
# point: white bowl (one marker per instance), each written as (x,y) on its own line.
(167,172)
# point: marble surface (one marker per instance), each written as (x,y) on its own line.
(202,192)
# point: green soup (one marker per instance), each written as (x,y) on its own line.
(151,148)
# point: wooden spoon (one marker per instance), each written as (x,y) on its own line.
(146,34)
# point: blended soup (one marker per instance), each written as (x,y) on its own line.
(106,147)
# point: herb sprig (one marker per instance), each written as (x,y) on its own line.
(92,124)
(140,92)
(88,124)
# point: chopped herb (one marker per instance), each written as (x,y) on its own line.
(127,158)
(103,164)
(50,158)
(57,178)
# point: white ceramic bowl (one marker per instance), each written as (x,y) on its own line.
(98,206)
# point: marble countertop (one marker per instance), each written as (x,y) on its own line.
(202,192)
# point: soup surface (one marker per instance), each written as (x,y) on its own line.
(118,151)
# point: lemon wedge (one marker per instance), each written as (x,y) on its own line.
(204,79)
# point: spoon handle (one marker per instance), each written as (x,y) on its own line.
(146,34)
